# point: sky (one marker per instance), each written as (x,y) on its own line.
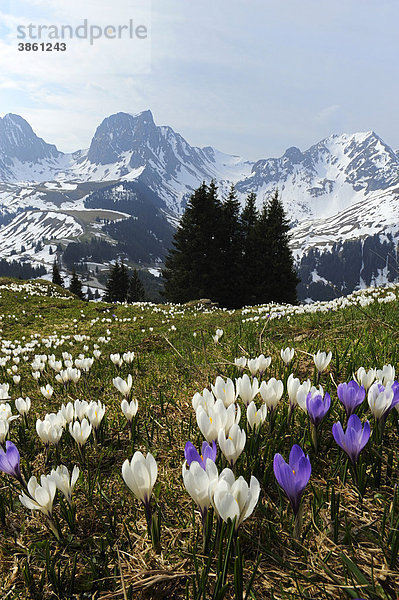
(249,77)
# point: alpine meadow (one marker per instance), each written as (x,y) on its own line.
(187,451)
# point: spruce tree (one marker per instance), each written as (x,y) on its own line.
(285,279)
(191,267)
(277,278)
(136,288)
(57,279)
(112,282)
(117,284)
(76,286)
(249,252)
(123,283)
(228,262)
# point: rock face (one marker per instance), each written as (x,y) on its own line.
(19,142)
(121,133)
(344,188)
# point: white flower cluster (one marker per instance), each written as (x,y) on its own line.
(362,298)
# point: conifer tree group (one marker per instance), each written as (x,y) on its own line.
(234,257)
(123,288)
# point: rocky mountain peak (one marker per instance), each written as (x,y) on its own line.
(18,141)
(120,133)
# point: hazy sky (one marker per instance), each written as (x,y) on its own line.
(248,77)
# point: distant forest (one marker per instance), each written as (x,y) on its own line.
(20,270)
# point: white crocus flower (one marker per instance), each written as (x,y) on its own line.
(241,362)
(233,498)
(211,422)
(95,413)
(218,335)
(224,390)
(322,360)
(256,417)
(287,355)
(253,366)
(116,359)
(365,378)
(47,391)
(246,389)
(128,357)
(55,419)
(64,482)
(263,363)
(206,400)
(271,392)
(304,389)
(48,431)
(80,431)
(4,429)
(73,374)
(129,409)
(80,409)
(4,395)
(197,482)
(5,411)
(123,386)
(67,412)
(379,400)
(386,374)
(84,364)
(232,444)
(232,416)
(293,384)
(56,365)
(140,475)
(23,406)
(16,379)
(41,496)
(61,377)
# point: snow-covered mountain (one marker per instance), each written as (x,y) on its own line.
(345,187)
(124,147)
(329,177)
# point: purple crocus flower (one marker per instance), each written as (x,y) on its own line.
(9,461)
(354,439)
(351,395)
(395,389)
(207,451)
(317,407)
(294,476)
